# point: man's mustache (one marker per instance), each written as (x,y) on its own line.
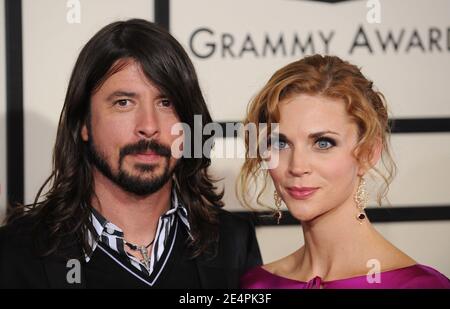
(143,146)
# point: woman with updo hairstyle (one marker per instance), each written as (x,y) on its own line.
(332,136)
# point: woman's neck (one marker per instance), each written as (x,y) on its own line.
(337,245)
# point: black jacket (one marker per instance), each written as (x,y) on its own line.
(21,267)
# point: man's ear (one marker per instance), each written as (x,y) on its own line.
(372,159)
(84,133)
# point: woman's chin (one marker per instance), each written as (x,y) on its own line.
(304,216)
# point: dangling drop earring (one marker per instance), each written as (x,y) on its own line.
(361,199)
(278,214)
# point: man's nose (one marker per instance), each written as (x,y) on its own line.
(147,123)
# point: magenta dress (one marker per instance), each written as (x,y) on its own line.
(411,277)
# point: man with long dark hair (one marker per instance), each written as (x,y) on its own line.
(120,208)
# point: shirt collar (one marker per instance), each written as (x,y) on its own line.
(100,223)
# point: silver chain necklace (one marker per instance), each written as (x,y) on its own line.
(143,250)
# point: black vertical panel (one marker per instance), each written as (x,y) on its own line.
(14,102)
(162,14)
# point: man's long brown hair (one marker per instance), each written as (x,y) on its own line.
(61,207)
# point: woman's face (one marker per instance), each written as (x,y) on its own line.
(316,170)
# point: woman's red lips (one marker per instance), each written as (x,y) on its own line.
(301,193)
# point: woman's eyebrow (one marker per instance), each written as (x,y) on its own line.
(321,133)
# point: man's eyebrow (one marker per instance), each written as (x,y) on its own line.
(161,96)
(121,93)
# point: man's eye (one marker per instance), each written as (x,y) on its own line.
(166,103)
(122,103)
(325,143)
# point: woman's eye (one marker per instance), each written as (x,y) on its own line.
(278,144)
(325,143)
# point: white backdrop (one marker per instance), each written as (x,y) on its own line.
(415,83)
(413,80)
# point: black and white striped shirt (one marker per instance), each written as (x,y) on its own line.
(110,236)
